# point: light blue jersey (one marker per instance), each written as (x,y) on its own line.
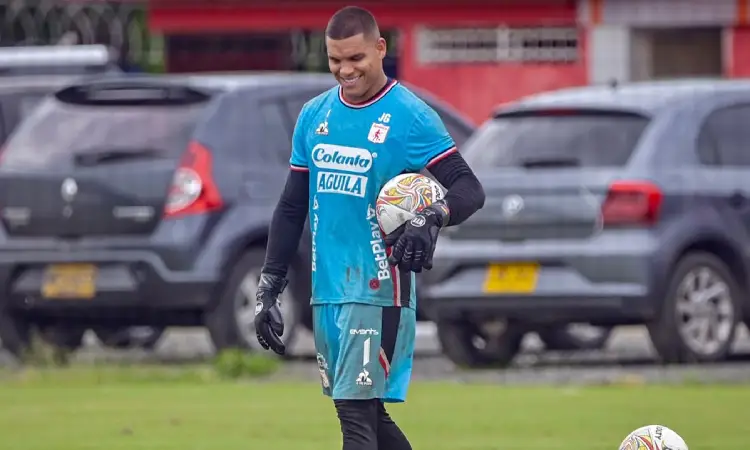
(351,151)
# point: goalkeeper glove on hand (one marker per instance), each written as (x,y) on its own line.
(413,243)
(269,324)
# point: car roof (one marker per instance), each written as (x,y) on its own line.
(46,83)
(241,80)
(647,98)
(223,81)
(275,80)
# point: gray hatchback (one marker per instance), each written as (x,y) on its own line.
(609,205)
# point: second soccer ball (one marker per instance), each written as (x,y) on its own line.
(653,437)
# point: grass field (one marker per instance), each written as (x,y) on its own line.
(151,410)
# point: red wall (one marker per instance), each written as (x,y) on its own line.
(738,61)
(475,89)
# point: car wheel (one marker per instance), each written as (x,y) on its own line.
(15,332)
(698,319)
(575,336)
(66,337)
(129,337)
(231,321)
(471,344)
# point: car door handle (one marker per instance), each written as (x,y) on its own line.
(737,199)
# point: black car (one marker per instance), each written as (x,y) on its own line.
(145,201)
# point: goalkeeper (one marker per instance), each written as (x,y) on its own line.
(347,143)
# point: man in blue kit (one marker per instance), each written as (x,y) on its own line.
(348,142)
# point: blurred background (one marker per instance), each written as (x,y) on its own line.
(145,143)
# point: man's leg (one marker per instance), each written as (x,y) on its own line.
(359,423)
(358,418)
(365,424)
(390,436)
(397,359)
(361,370)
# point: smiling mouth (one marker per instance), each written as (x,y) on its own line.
(350,81)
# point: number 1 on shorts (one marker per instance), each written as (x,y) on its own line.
(366,355)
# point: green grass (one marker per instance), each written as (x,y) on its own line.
(190,409)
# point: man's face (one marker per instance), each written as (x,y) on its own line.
(357,63)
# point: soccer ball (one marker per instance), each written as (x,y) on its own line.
(402,197)
(653,437)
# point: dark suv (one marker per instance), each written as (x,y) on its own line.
(610,205)
(146,200)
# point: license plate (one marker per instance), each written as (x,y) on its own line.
(69,281)
(517,278)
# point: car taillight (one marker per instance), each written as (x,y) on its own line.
(193,190)
(632,203)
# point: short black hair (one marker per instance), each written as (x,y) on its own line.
(351,21)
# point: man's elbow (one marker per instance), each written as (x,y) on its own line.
(479,197)
(476,195)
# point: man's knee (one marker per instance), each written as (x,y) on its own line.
(359,423)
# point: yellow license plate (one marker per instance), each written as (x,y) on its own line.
(69,281)
(517,278)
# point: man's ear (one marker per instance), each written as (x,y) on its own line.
(382,47)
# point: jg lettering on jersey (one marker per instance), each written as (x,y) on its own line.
(379,131)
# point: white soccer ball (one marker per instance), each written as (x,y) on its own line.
(403,197)
(653,437)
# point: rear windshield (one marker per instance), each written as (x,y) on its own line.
(544,140)
(57,130)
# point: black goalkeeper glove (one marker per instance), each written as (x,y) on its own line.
(413,243)
(269,324)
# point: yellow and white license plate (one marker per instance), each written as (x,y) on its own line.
(515,278)
(69,281)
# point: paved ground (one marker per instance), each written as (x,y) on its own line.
(628,357)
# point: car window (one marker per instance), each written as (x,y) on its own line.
(578,139)
(294,104)
(729,130)
(458,132)
(277,130)
(58,130)
(27,104)
(706,149)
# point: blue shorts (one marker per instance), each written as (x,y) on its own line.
(364,351)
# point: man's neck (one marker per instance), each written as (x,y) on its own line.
(377,87)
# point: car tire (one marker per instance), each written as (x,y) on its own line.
(15,332)
(470,344)
(686,297)
(566,338)
(65,337)
(229,322)
(125,337)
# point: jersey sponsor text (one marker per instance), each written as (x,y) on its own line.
(337,157)
(378,246)
(342,183)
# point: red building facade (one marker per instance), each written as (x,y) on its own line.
(461,52)
(477,54)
